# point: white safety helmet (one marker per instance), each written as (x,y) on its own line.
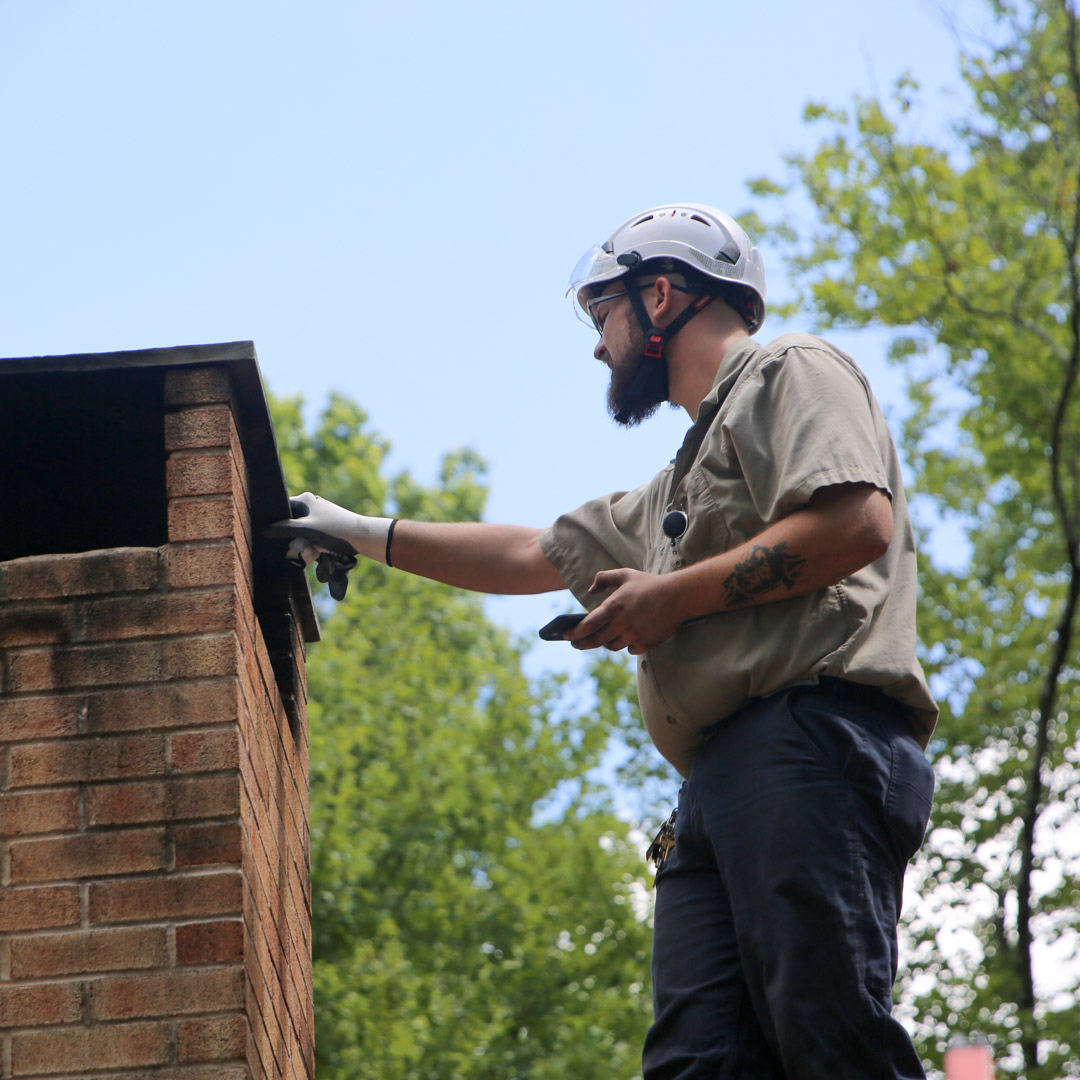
(701,237)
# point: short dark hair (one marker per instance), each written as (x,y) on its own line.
(741,300)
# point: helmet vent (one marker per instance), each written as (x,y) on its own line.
(694,217)
(641,221)
(729,252)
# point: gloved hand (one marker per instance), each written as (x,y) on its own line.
(331,569)
(323,532)
(329,527)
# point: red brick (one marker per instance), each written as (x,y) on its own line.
(201,681)
(86,665)
(269,1042)
(202,657)
(192,1072)
(83,759)
(248,624)
(82,574)
(173,897)
(163,800)
(88,856)
(38,812)
(277,800)
(40,1005)
(285,969)
(208,845)
(205,384)
(199,1072)
(222,1038)
(173,993)
(114,1047)
(289,1021)
(275,1039)
(38,908)
(273,848)
(154,614)
(253,769)
(36,624)
(261,1052)
(85,951)
(190,429)
(206,751)
(199,474)
(263,684)
(203,519)
(38,718)
(206,564)
(210,942)
(161,706)
(266,980)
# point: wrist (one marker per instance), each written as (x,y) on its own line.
(330,527)
(370,536)
(686,595)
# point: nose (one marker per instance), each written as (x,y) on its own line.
(600,352)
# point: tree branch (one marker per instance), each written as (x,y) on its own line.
(1048,693)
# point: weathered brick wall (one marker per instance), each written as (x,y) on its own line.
(154,889)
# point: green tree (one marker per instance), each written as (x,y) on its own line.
(970,250)
(477,907)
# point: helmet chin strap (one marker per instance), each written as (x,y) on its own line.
(656,338)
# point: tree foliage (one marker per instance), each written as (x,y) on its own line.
(970,250)
(477,907)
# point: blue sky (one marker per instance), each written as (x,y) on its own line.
(388,199)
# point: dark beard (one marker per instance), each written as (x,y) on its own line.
(637,390)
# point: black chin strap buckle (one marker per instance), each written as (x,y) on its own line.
(654,344)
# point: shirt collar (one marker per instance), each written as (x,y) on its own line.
(735,359)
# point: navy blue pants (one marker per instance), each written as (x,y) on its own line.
(774,949)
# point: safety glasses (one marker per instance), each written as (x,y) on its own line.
(592,307)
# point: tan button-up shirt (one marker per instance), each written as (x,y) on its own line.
(794,416)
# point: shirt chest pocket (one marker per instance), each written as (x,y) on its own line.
(706,530)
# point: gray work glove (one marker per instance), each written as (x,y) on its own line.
(331,536)
(331,568)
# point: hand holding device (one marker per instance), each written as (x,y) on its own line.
(558,626)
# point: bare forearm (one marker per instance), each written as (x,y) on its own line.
(844,528)
(832,538)
(475,555)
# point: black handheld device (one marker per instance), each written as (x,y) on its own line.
(558,626)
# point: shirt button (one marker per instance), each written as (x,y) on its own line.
(670,719)
(644,665)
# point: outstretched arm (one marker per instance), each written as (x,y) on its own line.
(844,527)
(476,555)
(471,555)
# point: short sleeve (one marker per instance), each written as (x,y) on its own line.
(804,420)
(608,533)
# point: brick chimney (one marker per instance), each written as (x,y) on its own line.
(154,886)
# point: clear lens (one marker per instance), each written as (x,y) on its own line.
(594,267)
(583,270)
(579,312)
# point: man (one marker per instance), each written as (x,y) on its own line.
(766,582)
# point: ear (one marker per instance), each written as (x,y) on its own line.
(664,302)
(663,297)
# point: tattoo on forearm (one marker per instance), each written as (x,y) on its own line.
(763,570)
